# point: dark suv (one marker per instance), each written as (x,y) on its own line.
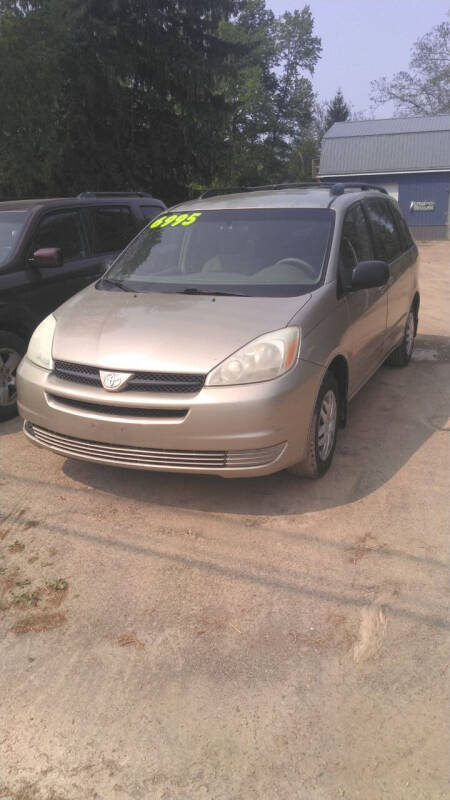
(49,250)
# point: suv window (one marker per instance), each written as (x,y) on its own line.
(356,243)
(11,227)
(386,238)
(61,229)
(113,228)
(150,212)
(406,240)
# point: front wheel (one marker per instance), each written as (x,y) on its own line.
(401,356)
(323,431)
(12,350)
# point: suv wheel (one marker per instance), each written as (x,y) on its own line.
(12,350)
(323,431)
(401,356)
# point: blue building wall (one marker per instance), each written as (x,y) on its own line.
(433,186)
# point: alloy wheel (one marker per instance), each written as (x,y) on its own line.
(327,425)
(409,334)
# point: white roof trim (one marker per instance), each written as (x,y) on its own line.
(377,172)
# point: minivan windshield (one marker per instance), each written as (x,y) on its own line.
(253,252)
(11,224)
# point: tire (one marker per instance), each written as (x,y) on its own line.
(320,453)
(401,356)
(12,350)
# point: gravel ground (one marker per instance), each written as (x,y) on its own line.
(175,638)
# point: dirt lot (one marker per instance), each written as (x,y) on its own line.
(178,638)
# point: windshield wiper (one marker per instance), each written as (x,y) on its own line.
(194,290)
(119,284)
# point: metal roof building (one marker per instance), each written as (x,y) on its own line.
(409,156)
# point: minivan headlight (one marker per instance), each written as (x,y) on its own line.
(263,359)
(40,346)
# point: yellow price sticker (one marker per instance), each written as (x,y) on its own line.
(172,220)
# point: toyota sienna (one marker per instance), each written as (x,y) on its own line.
(230,335)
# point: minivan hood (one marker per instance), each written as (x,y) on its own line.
(163,332)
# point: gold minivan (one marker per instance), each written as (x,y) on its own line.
(230,335)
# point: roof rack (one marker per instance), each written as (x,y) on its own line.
(335,188)
(271,186)
(114,194)
(340,187)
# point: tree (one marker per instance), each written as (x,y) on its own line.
(123,94)
(300,167)
(161,95)
(29,65)
(425,89)
(298,52)
(271,95)
(249,89)
(337,110)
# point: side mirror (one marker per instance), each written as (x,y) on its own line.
(48,257)
(369,275)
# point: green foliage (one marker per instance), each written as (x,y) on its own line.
(58,585)
(337,110)
(29,52)
(271,96)
(301,159)
(25,598)
(160,95)
(117,95)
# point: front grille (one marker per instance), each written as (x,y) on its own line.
(149,458)
(121,411)
(77,373)
(141,381)
(165,382)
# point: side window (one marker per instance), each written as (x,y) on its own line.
(386,239)
(406,239)
(150,212)
(61,229)
(356,244)
(113,228)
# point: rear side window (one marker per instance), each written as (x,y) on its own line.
(356,243)
(386,238)
(113,228)
(11,227)
(150,212)
(61,229)
(406,239)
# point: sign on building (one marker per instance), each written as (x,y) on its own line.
(422,205)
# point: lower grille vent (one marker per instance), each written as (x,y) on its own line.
(146,458)
(121,411)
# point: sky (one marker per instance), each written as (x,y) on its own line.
(363,40)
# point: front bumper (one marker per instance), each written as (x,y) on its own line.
(232,431)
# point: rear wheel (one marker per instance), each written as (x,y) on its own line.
(323,431)
(401,356)
(12,350)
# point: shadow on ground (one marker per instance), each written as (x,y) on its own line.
(12,426)
(389,420)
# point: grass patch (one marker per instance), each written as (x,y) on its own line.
(58,585)
(25,598)
(16,546)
